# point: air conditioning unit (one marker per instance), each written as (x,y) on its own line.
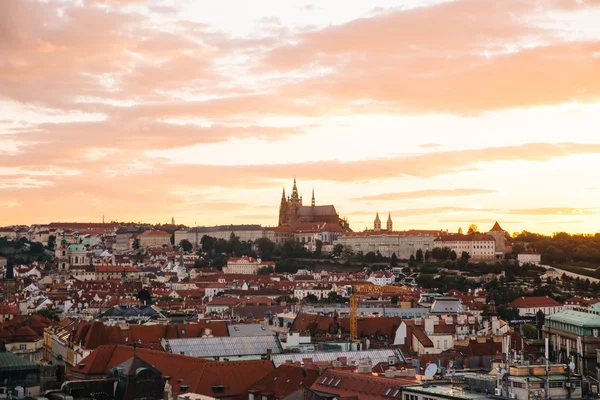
(498,392)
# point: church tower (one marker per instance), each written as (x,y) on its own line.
(9,283)
(377,223)
(283,210)
(312,203)
(389,225)
(294,203)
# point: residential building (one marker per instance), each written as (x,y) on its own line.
(574,335)
(245,265)
(217,380)
(529,258)
(529,306)
(154,238)
(8,233)
(403,243)
(479,246)
(16,371)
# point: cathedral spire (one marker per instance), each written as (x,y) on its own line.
(283,195)
(295,195)
(312,203)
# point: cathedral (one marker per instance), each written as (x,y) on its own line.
(291,211)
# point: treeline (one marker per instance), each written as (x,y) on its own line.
(560,247)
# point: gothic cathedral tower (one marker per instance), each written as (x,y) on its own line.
(283,210)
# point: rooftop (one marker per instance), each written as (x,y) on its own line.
(576,318)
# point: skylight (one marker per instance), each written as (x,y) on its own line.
(387,392)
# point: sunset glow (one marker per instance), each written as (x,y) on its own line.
(444,113)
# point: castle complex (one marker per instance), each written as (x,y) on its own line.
(292,212)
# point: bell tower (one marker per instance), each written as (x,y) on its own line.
(389,225)
(377,223)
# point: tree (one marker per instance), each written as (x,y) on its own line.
(208,243)
(427,255)
(452,255)
(529,331)
(318,248)
(51,242)
(48,314)
(265,248)
(266,270)
(36,247)
(370,257)
(394,260)
(394,300)
(472,229)
(173,239)
(338,249)
(136,244)
(186,245)
(419,257)
(311,298)
(411,261)
(460,231)
(144,296)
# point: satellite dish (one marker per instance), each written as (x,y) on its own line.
(430,371)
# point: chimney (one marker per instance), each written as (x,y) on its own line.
(269,352)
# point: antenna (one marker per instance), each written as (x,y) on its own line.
(431,370)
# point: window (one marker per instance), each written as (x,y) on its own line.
(337,383)
(387,392)
(23,347)
(323,381)
(554,385)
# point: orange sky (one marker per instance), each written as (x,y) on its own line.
(442,112)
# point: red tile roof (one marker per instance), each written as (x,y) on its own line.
(534,302)
(200,374)
(283,381)
(343,383)
(496,228)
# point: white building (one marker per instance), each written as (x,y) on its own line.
(529,258)
(381,278)
(245,265)
(479,246)
(529,306)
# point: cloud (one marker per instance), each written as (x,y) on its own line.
(424,194)
(487,57)
(566,211)
(417,212)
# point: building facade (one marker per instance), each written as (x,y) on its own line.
(245,265)
(292,211)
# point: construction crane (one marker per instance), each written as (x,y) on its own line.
(363,289)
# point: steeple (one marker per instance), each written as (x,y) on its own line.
(283,194)
(389,225)
(312,203)
(377,223)
(295,195)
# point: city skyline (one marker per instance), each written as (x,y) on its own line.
(142,111)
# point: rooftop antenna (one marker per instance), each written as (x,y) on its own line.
(431,370)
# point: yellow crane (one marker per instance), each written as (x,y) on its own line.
(363,288)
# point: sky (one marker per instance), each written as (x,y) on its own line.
(441,112)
